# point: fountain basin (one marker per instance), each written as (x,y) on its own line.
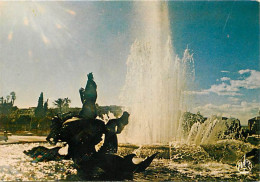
(183,165)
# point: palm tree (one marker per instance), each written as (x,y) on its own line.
(13,97)
(67,101)
(7,98)
(62,104)
(59,103)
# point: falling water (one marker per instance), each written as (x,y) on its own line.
(155,80)
(210,131)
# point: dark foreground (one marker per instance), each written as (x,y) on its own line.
(180,163)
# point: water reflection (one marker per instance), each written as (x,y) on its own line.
(16,166)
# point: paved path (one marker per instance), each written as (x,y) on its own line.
(23,139)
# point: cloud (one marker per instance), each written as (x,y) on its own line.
(233,87)
(196,92)
(223,89)
(251,82)
(242,111)
(234,99)
(244,71)
(224,79)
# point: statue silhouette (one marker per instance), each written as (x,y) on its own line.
(83,132)
(88,98)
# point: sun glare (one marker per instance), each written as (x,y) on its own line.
(46,19)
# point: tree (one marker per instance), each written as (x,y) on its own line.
(67,102)
(45,107)
(62,104)
(39,111)
(8,113)
(2,100)
(13,97)
(59,103)
(7,98)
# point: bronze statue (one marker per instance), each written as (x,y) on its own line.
(88,98)
(83,132)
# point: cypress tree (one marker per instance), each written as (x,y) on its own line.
(39,111)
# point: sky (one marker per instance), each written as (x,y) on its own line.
(50,47)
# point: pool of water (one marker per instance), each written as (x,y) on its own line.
(16,166)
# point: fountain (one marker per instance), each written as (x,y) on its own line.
(154,96)
(155,81)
